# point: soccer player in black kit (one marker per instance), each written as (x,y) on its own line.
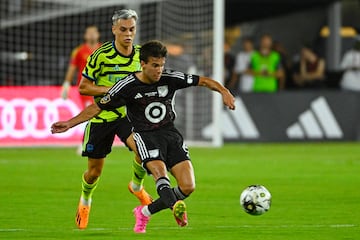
(149,97)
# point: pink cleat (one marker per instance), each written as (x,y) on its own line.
(141,220)
(179,210)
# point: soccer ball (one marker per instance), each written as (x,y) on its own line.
(255,200)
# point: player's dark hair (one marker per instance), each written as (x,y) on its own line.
(248,39)
(152,48)
(266,35)
(92,26)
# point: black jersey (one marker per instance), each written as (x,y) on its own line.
(149,106)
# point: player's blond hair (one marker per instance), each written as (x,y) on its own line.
(124,14)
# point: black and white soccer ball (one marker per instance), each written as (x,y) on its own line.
(255,200)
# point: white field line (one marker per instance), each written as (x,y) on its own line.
(12,230)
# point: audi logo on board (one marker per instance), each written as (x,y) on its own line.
(21,118)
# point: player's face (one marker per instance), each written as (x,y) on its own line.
(124,31)
(153,68)
(248,46)
(266,42)
(91,35)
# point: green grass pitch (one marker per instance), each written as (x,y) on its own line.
(315,189)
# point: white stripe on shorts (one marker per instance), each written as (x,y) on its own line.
(143,152)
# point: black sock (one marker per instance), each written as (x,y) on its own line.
(167,197)
(157,206)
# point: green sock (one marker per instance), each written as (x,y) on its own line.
(88,189)
(138,176)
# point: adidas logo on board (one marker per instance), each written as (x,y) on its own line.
(318,122)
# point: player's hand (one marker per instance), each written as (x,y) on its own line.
(265,73)
(229,100)
(65,90)
(60,127)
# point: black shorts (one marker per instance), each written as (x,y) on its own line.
(166,145)
(99,137)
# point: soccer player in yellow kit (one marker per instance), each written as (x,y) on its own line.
(107,65)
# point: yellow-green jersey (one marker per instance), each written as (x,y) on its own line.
(105,67)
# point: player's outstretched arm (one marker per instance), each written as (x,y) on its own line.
(228,98)
(85,115)
(88,88)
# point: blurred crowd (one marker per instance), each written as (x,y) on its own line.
(264,66)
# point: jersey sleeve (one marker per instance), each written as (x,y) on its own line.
(111,102)
(180,80)
(93,66)
(114,98)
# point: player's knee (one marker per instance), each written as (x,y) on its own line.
(188,188)
(138,159)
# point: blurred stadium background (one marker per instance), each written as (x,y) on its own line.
(313,180)
(38,36)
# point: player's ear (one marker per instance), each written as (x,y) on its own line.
(142,63)
(113,29)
